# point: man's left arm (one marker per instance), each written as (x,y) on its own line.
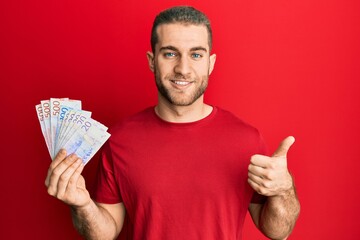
(270,177)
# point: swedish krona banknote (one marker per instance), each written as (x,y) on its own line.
(65,125)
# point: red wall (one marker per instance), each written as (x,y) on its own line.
(287,67)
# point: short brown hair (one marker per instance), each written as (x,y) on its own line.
(180,14)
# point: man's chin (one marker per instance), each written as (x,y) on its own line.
(181,99)
(183,102)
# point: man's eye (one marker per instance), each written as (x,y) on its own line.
(169,54)
(196,55)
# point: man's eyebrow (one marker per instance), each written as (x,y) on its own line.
(198,49)
(168,48)
(172,48)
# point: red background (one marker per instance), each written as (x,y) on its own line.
(287,67)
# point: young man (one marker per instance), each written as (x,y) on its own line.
(182,169)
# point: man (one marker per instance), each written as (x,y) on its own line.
(182,169)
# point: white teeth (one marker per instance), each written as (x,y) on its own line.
(181,83)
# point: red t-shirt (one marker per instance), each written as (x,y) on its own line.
(179,180)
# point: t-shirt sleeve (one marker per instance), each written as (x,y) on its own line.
(106,189)
(262,149)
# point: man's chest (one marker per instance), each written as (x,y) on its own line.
(182,165)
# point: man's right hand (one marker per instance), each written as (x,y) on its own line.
(65,182)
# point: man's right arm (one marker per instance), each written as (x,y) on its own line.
(98,220)
(93,220)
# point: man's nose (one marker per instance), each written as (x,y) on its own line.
(183,66)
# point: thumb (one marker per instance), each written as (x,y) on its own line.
(284,147)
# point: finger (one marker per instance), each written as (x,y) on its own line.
(262,173)
(55,173)
(75,179)
(260,160)
(284,147)
(256,187)
(255,178)
(261,188)
(58,158)
(256,170)
(63,181)
(253,184)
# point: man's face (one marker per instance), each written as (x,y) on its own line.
(181,63)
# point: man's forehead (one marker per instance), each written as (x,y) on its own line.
(182,35)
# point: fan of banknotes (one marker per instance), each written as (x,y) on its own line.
(65,125)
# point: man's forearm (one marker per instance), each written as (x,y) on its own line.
(94,222)
(279,215)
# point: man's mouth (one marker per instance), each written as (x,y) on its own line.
(181,83)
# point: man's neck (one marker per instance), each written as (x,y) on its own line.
(183,114)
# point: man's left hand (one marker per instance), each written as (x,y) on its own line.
(269,176)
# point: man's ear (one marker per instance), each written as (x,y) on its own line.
(150,57)
(212,63)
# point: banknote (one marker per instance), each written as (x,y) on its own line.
(55,104)
(65,125)
(64,109)
(45,106)
(70,124)
(87,139)
(40,115)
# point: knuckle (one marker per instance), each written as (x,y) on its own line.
(64,177)
(56,172)
(59,196)
(269,175)
(254,186)
(51,168)
(266,184)
(53,179)
(272,165)
(254,157)
(74,166)
(51,191)
(262,191)
(68,159)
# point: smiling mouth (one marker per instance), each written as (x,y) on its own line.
(180,83)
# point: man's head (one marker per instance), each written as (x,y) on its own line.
(181,59)
(181,14)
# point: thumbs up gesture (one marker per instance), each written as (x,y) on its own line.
(269,176)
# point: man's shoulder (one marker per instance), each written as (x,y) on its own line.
(133,121)
(231,118)
(240,131)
